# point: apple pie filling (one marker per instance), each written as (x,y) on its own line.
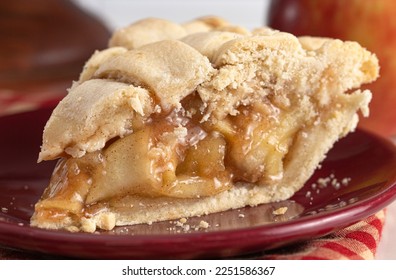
(176,154)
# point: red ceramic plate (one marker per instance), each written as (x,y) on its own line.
(356,180)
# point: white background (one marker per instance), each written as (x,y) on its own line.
(248,13)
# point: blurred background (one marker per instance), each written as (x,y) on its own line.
(118,13)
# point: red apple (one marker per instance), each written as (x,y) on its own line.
(372,23)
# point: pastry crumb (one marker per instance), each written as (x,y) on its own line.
(181,224)
(106,221)
(345,181)
(280,211)
(331,180)
(203,224)
(88,225)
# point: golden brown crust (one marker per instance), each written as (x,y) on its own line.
(97,59)
(146,31)
(169,68)
(91,114)
(205,24)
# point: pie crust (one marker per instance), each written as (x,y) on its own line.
(179,120)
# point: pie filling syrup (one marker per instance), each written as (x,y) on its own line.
(177,154)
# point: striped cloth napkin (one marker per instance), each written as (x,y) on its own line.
(358,241)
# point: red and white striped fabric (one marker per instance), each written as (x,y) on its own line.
(356,242)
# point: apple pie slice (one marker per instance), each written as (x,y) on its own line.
(197,123)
